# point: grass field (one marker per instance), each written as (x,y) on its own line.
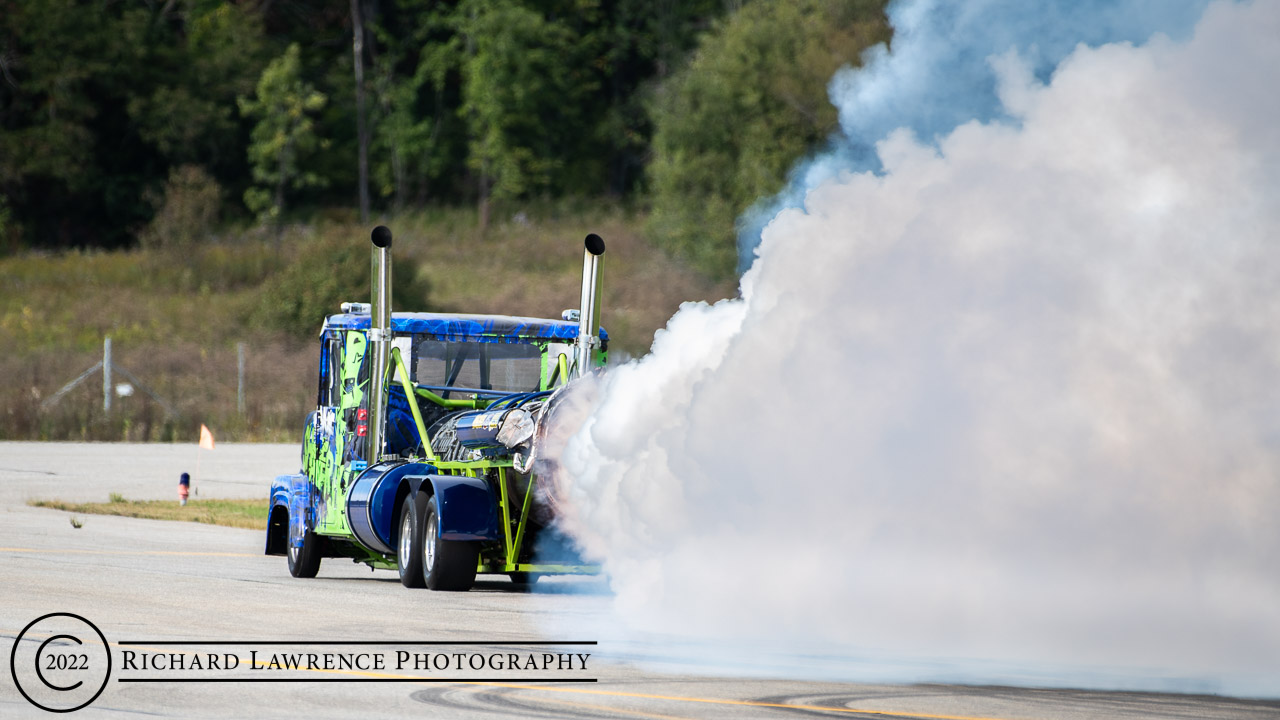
(176,315)
(250,514)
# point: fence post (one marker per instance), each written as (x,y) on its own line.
(106,375)
(240,378)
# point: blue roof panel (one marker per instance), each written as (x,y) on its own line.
(456,326)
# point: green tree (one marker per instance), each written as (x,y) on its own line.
(637,43)
(753,101)
(283,136)
(61,64)
(4,221)
(415,82)
(521,96)
(99,100)
(187,112)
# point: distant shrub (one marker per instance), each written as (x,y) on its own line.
(752,101)
(325,273)
(185,212)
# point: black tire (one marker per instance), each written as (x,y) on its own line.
(524,578)
(409,547)
(304,562)
(446,564)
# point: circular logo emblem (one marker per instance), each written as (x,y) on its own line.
(60,662)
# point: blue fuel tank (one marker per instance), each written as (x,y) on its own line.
(371,503)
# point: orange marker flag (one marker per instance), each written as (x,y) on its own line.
(206,437)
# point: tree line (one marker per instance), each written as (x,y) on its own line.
(152,121)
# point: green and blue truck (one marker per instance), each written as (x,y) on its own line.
(420,455)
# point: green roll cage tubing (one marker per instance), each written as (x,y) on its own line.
(511,546)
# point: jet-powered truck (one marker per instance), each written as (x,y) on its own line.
(420,454)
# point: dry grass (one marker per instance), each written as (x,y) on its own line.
(251,514)
(175,317)
(533,267)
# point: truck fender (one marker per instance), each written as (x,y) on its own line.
(290,505)
(468,510)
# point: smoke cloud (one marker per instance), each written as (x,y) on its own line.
(1005,410)
(939,76)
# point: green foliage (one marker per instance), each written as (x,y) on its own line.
(186,211)
(327,271)
(189,116)
(4,220)
(284,135)
(98,100)
(519,98)
(521,89)
(518,101)
(749,105)
(61,61)
(417,133)
(62,52)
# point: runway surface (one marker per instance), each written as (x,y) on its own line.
(149,583)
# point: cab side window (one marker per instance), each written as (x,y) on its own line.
(330,357)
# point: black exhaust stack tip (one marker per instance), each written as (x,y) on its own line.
(382,237)
(595,244)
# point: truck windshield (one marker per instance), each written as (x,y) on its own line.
(506,367)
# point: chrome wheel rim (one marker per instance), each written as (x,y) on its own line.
(293,547)
(429,544)
(406,540)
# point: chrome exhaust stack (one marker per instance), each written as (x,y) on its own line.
(379,339)
(589,309)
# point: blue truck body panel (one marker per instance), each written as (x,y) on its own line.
(468,509)
(466,504)
(475,328)
(296,493)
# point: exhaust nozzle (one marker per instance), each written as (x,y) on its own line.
(589,313)
(379,338)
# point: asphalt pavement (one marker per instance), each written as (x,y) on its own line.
(176,593)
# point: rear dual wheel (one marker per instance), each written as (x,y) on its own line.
(427,560)
(409,548)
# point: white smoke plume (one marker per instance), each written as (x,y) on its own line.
(1008,410)
(938,76)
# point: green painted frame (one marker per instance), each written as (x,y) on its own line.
(511,546)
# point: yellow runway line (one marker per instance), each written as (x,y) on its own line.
(606,708)
(751,703)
